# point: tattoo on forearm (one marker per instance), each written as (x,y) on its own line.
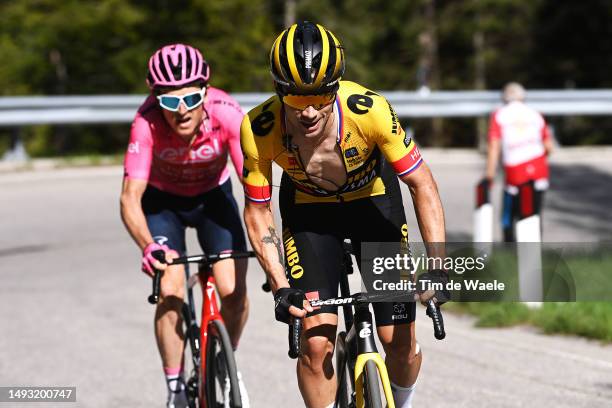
(274,240)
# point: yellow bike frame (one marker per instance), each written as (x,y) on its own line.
(362,359)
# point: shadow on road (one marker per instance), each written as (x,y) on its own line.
(582,195)
(21,250)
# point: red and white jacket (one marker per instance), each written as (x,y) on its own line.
(522,132)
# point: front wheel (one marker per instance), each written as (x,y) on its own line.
(221,379)
(345,396)
(372,390)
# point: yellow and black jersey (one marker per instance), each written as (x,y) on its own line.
(367,129)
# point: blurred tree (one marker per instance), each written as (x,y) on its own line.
(102,46)
(74,47)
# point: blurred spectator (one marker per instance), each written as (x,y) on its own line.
(521,135)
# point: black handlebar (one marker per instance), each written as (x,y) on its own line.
(433,311)
(154,296)
(295,327)
(204,258)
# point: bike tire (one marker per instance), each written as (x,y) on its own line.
(372,390)
(346,387)
(219,351)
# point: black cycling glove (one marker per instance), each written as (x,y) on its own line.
(282,302)
(435,276)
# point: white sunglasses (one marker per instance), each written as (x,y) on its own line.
(173,102)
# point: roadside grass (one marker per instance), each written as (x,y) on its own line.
(587,319)
(579,274)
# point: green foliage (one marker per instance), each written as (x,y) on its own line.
(102,46)
(592,319)
(587,319)
(495,314)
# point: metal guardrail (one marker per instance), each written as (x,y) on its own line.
(38,110)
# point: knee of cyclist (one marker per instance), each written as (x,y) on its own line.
(402,352)
(172,289)
(236,300)
(317,352)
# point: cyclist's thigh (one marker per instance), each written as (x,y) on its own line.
(218,222)
(167,229)
(313,262)
(313,246)
(163,222)
(383,221)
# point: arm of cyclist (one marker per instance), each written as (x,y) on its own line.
(547,139)
(493,152)
(428,207)
(267,246)
(236,154)
(232,116)
(493,147)
(430,216)
(135,222)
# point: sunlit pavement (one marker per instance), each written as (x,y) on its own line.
(73,308)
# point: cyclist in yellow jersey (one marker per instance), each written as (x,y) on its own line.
(341,148)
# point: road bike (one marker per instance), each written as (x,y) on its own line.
(361,369)
(212,380)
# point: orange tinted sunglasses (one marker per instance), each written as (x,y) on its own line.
(301,102)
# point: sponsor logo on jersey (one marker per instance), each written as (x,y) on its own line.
(362,178)
(351,152)
(399,311)
(359,104)
(408,137)
(134,148)
(160,239)
(201,154)
(292,257)
(395,125)
(415,154)
(263,123)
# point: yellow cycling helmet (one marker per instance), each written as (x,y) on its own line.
(306,59)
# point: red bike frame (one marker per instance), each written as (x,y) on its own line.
(210,312)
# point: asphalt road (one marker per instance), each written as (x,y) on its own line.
(73,308)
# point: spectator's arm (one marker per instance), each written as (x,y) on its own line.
(493,152)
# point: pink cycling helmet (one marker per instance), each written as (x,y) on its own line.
(176,65)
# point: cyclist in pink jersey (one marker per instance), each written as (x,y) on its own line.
(177,176)
(520,134)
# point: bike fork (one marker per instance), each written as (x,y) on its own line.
(363,329)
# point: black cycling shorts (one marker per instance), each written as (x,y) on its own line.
(214,215)
(313,234)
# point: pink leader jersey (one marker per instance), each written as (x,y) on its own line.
(156,154)
(522,131)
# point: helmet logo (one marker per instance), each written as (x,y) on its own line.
(308,59)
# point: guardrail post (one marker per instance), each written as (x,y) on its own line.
(529,246)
